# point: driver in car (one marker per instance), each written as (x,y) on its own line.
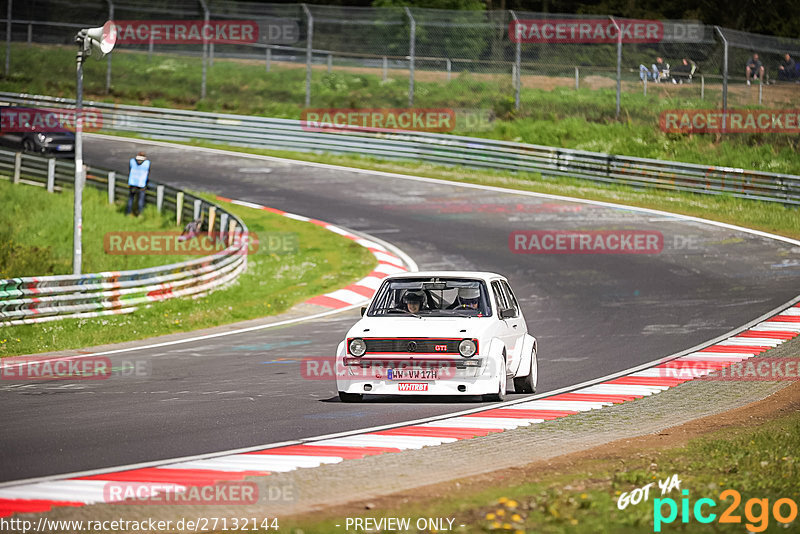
(468,298)
(413,301)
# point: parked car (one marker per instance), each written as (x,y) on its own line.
(438,333)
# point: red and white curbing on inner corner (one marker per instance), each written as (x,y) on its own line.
(359,292)
(39,497)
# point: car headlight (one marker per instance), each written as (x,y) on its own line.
(40,136)
(357,347)
(467,348)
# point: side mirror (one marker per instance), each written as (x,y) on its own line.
(363,310)
(507,313)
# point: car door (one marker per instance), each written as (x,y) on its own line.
(506,329)
(516,324)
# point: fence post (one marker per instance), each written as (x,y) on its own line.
(223,223)
(385,68)
(159,198)
(330,63)
(51,175)
(108,60)
(309,55)
(210,54)
(17,166)
(412,38)
(212,215)
(112,186)
(206,17)
(198,207)
(619,60)
(8,37)
(231,231)
(517,64)
(702,87)
(577,78)
(178,207)
(150,49)
(30,34)
(449,68)
(760,91)
(269,58)
(644,86)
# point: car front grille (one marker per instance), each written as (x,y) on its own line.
(411,345)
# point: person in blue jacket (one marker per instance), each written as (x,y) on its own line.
(138,174)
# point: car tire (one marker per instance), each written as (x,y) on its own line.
(350,397)
(28,146)
(527,384)
(501,386)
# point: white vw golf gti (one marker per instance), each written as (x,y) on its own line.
(438,333)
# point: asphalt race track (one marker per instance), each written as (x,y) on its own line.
(593,314)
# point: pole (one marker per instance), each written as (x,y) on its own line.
(309,55)
(619,61)
(724,76)
(108,64)
(518,64)
(77,222)
(411,51)
(8,38)
(206,18)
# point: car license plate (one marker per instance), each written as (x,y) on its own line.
(412,374)
(63,147)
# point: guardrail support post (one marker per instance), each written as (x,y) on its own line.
(198,207)
(178,207)
(17,166)
(231,231)
(212,215)
(411,52)
(51,175)
(309,55)
(385,68)
(269,58)
(159,198)
(112,186)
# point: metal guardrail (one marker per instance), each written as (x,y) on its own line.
(40,299)
(287,134)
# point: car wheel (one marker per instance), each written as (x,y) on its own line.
(501,386)
(350,397)
(28,146)
(527,384)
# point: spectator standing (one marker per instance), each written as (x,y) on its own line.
(754,70)
(138,175)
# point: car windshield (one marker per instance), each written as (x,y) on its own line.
(431,297)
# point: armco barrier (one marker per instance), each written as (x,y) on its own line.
(48,298)
(442,149)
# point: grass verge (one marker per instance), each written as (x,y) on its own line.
(757,462)
(766,216)
(555,116)
(272,284)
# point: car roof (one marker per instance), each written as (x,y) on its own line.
(486,276)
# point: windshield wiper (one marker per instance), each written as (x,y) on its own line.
(397,310)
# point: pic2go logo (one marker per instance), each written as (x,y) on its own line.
(758,521)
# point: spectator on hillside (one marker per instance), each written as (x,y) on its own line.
(787,71)
(138,175)
(754,70)
(684,72)
(658,71)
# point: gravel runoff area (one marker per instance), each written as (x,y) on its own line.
(354,484)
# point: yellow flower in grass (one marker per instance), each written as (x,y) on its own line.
(516,518)
(507,526)
(584,496)
(490,516)
(500,512)
(501,500)
(496,524)
(573,521)
(512,504)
